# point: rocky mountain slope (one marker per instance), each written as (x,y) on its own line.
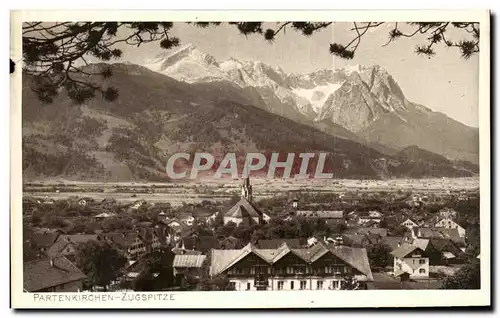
(156,116)
(364,104)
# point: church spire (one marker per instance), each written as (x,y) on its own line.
(246,189)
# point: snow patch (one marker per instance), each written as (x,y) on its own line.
(317,96)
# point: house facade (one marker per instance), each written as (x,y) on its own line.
(448,223)
(447,213)
(56,274)
(320,267)
(410,260)
(408,223)
(66,245)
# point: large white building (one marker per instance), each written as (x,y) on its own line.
(244,211)
(321,267)
(410,260)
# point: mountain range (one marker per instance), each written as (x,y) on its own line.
(361,103)
(188,101)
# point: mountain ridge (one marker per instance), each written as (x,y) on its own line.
(360,99)
(155,116)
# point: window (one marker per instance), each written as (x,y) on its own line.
(422,261)
(303,284)
(421,271)
(335,284)
(291,284)
(248,286)
(233,285)
(289,270)
(319,284)
(299,269)
(280,284)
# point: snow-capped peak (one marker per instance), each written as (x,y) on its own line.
(348,70)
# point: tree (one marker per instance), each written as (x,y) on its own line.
(52,52)
(349,282)
(100,262)
(379,255)
(467,277)
(157,273)
(205,283)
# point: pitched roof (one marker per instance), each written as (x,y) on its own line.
(439,232)
(321,214)
(63,240)
(44,238)
(40,274)
(393,242)
(275,243)
(404,250)
(243,209)
(353,239)
(189,261)
(356,257)
(421,243)
(122,240)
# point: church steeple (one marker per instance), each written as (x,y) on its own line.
(246,189)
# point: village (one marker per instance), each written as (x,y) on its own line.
(298,240)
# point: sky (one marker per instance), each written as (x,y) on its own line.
(446,82)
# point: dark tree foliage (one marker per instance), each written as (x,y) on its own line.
(349,282)
(379,255)
(100,261)
(157,273)
(54,52)
(467,277)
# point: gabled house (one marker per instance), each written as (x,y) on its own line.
(134,244)
(188,264)
(56,274)
(66,245)
(437,232)
(320,267)
(244,212)
(42,239)
(410,261)
(441,251)
(229,243)
(409,223)
(448,213)
(448,223)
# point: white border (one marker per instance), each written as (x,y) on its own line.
(267,299)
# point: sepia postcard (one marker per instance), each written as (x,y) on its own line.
(245,159)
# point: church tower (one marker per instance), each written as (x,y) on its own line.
(246,190)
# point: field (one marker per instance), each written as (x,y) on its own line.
(221,189)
